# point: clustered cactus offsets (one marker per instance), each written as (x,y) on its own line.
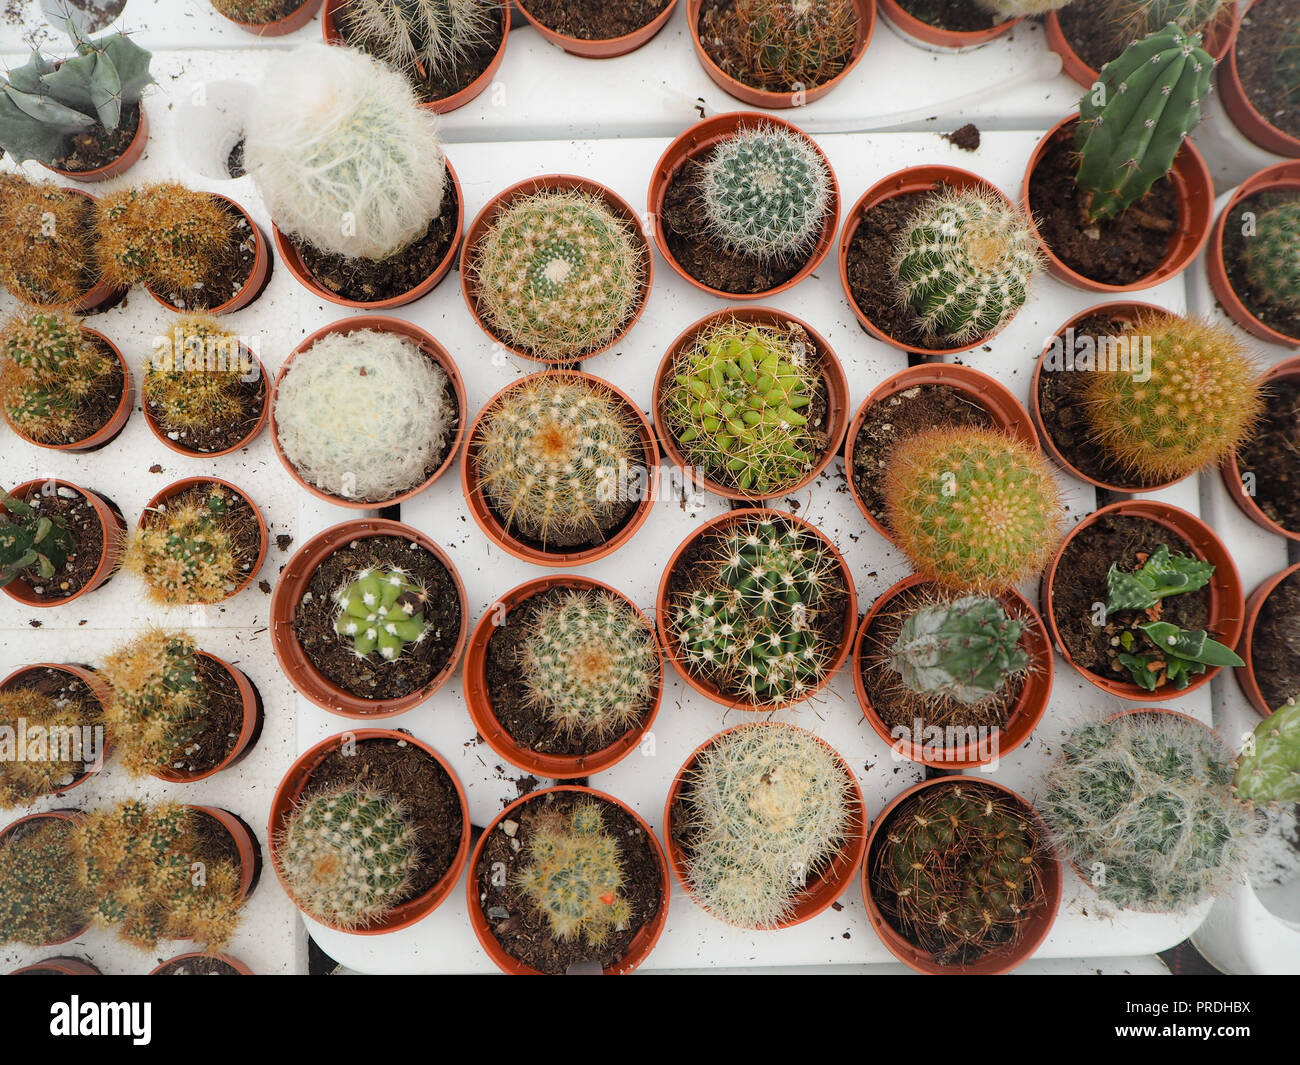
(47,729)
(788,45)
(47,242)
(42,899)
(383,611)
(197,378)
(765,808)
(32,546)
(427,39)
(558,273)
(1270,258)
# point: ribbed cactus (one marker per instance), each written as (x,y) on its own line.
(769,806)
(1161,574)
(558,457)
(195,379)
(1286,63)
(788,45)
(574,875)
(54,719)
(382,610)
(974,509)
(737,402)
(47,242)
(964,263)
(1195,403)
(1142,806)
(1132,125)
(966,649)
(1270,258)
(347,855)
(589,663)
(1006,10)
(31,545)
(1268,771)
(558,273)
(765,192)
(41,898)
(422,37)
(1131,20)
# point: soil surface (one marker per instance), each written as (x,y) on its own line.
(595,20)
(64,688)
(959,16)
(1262,29)
(522,932)
(967,137)
(229,271)
(1284,319)
(222,720)
(99,409)
(70,509)
(205,966)
(218,437)
(1086,31)
(235,160)
(1275,649)
(373,677)
(99,147)
(721,34)
(1273,455)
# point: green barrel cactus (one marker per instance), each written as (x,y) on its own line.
(381,610)
(1271,257)
(966,650)
(1268,771)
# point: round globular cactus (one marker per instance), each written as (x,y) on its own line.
(196,376)
(59,726)
(47,242)
(789,45)
(42,900)
(974,509)
(1188,402)
(381,610)
(558,273)
(765,193)
(964,263)
(1268,770)
(347,855)
(424,38)
(1271,256)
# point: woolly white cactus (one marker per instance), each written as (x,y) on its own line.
(343,154)
(423,36)
(361,415)
(1006,10)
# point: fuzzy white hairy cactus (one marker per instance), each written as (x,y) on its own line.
(423,37)
(1006,10)
(343,154)
(360,415)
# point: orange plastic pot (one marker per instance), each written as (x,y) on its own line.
(292,258)
(601,48)
(478,697)
(160,432)
(329,28)
(937,35)
(1001,960)
(764,98)
(915,179)
(118,166)
(72,817)
(1231,471)
(250,854)
(643,942)
(250,728)
(99,690)
(1227,599)
(296,783)
(979,388)
(240,968)
(1280,177)
(669,643)
(1023,717)
(1246,674)
(427,344)
(291,22)
(1122,312)
(833,376)
(698,141)
(1241,109)
(1194,189)
(497,532)
(58,967)
(289,590)
(821,891)
(110,520)
(487,217)
(258,277)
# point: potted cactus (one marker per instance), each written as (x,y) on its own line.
(199,964)
(745,205)
(1259,78)
(1260,475)
(1270,675)
(961,25)
(597,29)
(62,385)
(42,900)
(268,18)
(765,826)
(568,880)
(366,210)
(52,731)
(556,269)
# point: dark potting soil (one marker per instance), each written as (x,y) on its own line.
(1087,32)
(1263,29)
(99,147)
(958,16)
(686,230)
(527,724)
(511,917)
(1275,648)
(222,720)
(595,20)
(203,966)
(967,137)
(71,510)
(218,437)
(1273,455)
(373,677)
(1284,319)
(258,12)
(215,843)
(235,160)
(1116,251)
(99,408)
(721,34)
(373,280)
(428,793)
(1081,584)
(229,271)
(899,417)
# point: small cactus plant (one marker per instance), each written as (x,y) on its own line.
(789,45)
(1190,408)
(574,875)
(56,728)
(964,263)
(974,509)
(347,855)
(1271,257)
(41,898)
(32,546)
(424,38)
(558,273)
(589,663)
(47,242)
(1268,771)
(1131,20)
(196,377)
(381,610)
(737,401)
(1006,10)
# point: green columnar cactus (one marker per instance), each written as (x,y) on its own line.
(1270,772)
(41,898)
(788,45)
(966,650)
(589,662)
(1132,125)
(189,552)
(1006,10)
(574,877)
(1271,257)
(736,404)
(765,193)
(964,263)
(347,855)
(63,724)
(1131,20)
(423,37)
(31,545)
(381,610)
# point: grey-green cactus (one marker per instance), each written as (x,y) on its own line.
(965,650)
(1271,256)
(381,610)
(31,545)
(1160,575)
(1268,770)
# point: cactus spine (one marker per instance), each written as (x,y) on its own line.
(382,610)
(47,242)
(1131,20)
(423,37)
(195,379)
(41,898)
(31,545)
(1268,771)
(61,723)
(791,45)
(1271,258)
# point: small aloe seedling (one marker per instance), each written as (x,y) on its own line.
(1271,257)
(62,723)
(47,242)
(425,38)
(196,379)
(1268,770)
(31,545)
(788,45)
(382,610)
(1160,574)
(41,898)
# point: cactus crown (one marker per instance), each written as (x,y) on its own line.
(769,808)
(423,37)
(31,545)
(1133,123)
(736,402)
(347,855)
(788,45)
(382,610)
(1271,258)
(974,509)
(1268,770)
(41,899)
(1131,20)
(558,273)
(47,242)
(1006,10)
(1198,401)
(964,263)
(765,192)
(750,622)
(574,878)
(52,376)
(558,457)
(195,378)
(1141,804)
(22,782)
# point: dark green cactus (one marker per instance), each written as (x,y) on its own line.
(1268,770)
(965,650)
(30,545)
(1271,257)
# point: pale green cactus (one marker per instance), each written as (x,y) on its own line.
(1268,770)
(966,649)
(1271,257)
(381,610)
